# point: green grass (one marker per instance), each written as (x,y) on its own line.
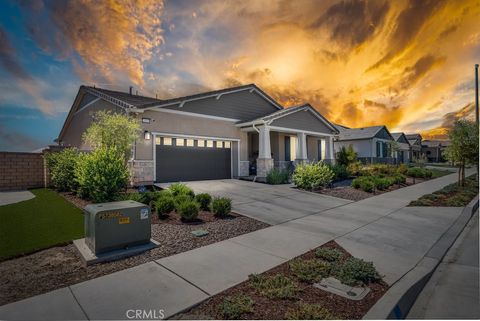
(436,173)
(46,220)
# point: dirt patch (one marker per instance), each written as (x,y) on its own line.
(62,266)
(271,309)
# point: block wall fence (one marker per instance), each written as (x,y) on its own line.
(22,170)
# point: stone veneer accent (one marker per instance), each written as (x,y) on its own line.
(141,172)
(244,168)
(264,165)
(283,165)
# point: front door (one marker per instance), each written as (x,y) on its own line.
(288,157)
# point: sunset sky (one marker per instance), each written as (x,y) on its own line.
(406,64)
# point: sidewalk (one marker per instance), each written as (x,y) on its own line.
(453,290)
(369,228)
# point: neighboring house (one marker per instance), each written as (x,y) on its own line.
(372,144)
(403,153)
(415,141)
(214,135)
(433,150)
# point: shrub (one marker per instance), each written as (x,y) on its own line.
(310,270)
(356,271)
(421,202)
(101,175)
(233,307)
(274,287)
(62,169)
(340,171)
(179,199)
(307,311)
(312,176)
(381,183)
(346,155)
(402,169)
(164,205)
(137,197)
(419,172)
(355,168)
(204,200)
(181,189)
(399,178)
(365,183)
(277,176)
(221,206)
(188,210)
(328,254)
(458,200)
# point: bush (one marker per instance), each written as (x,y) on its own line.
(312,176)
(61,166)
(310,270)
(458,200)
(356,272)
(419,172)
(355,168)
(346,155)
(101,175)
(307,311)
(340,171)
(233,307)
(402,169)
(365,183)
(188,210)
(328,254)
(181,189)
(399,178)
(274,287)
(221,206)
(382,183)
(204,200)
(179,199)
(164,205)
(276,176)
(421,202)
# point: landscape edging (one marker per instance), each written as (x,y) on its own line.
(398,300)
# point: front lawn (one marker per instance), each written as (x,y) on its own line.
(41,222)
(451,195)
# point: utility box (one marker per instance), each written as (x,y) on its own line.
(116,226)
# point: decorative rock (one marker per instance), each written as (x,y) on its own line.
(334,286)
(199,233)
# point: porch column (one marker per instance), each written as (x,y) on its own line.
(264,160)
(330,153)
(301,156)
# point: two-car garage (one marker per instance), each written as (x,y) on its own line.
(192,158)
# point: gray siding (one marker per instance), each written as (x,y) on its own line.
(383,134)
(302,120)
(242,105)
(87,98)
(402,139)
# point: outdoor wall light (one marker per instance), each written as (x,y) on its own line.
(147,135)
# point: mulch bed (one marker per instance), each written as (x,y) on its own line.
(354,194)
(62,266)
(271,309)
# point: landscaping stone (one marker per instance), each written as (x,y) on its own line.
(199,233)
(334,286)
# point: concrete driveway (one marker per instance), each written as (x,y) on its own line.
(272,204)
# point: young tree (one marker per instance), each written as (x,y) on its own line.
(346,155)
(464,147)
(112,130)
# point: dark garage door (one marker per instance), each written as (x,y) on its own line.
(189,163)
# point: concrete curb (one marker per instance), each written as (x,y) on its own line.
(399,299)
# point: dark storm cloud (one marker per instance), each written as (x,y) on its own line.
(408,24)
(464,112)
(8,57)
(353,22)
(416,72)
(371,103)
(448,31)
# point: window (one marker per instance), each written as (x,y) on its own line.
(157,140)
(219,144)
(226,144)
(179,142)
(189,142)
(379,149)
(200,143)
(209,143)
(146,120)
(167,141)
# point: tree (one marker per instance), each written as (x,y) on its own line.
(346,155)
(464,147)
(112,130)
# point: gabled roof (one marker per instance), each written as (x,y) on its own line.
(136,101)
(398,136)
(285,112)
(360,133)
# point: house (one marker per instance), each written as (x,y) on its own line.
(402,154)
(372,144)
(433,150)
(415,141)
(225,133)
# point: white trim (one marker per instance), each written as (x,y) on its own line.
(195,136)
(295,131)
(87,105)
(186,113)
(115,101)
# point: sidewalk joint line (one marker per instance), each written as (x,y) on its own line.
(76,300)
(181,277)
